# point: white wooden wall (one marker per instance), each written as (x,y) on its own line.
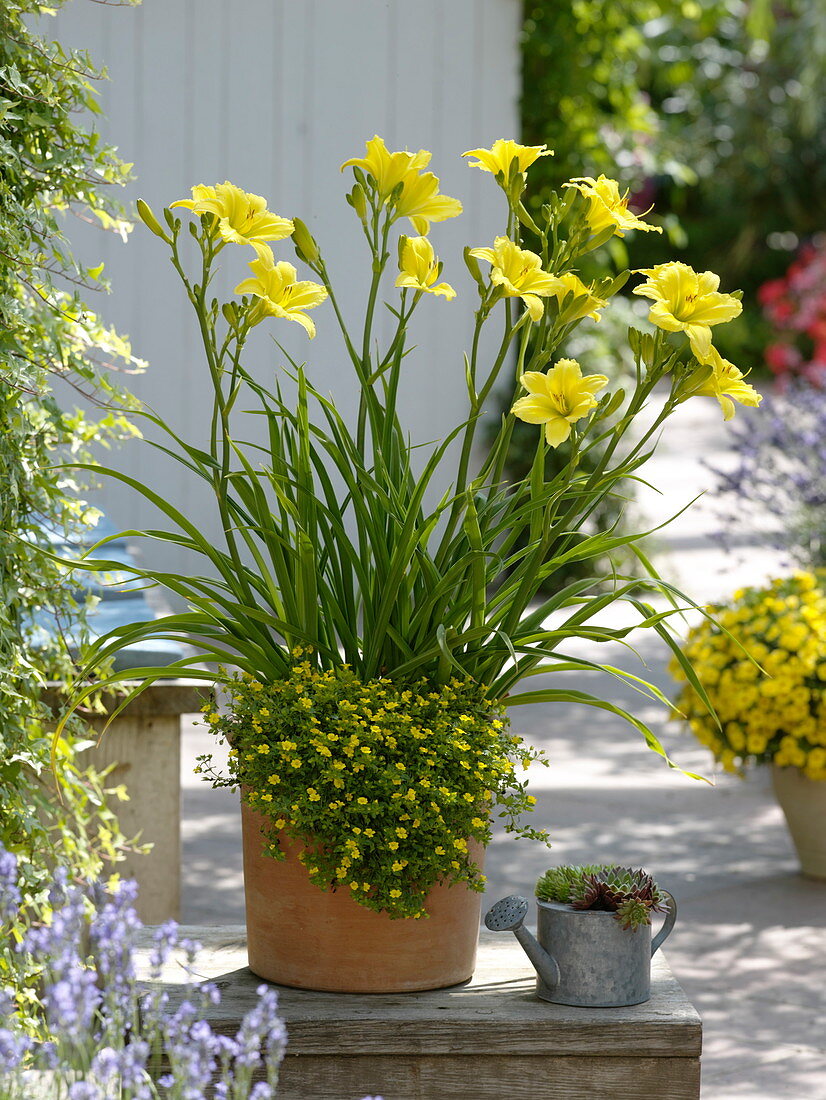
(274,95)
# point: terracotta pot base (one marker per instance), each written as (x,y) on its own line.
(301,936)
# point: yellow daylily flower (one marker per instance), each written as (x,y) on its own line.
(503,153)
(558,398)
(570,284)
(242,218)
(419,268)
(386,168)
(419,199)
(280,294)
(519,273)
(608,207)
(421,202)
(687,301)
(728,384)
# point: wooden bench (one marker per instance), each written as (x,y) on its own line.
(144,744)
(488,1039)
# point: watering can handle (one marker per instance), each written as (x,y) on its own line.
(668,924)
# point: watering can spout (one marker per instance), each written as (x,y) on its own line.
(507,915)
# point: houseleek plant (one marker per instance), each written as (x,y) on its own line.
(332,545)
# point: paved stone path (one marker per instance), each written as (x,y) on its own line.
(749,946)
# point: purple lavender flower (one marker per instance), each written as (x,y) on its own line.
(779,476)
(112,932)
(72,1002)
(134,1076)
(191,1049)
(13,1049)
(106,1027)
(164,942)
(85,1090)
(9,891)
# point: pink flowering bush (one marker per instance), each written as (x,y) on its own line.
(796,306)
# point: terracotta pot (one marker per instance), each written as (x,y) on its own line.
(803,801)
(300,935)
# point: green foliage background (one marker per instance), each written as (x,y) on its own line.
(51,167)
(711,109)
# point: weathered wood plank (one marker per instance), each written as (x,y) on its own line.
(496,1011)
(488,1078)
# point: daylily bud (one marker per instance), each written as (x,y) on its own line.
(611,402)
(688,385)
(150,221)
(304,242)
(634,337)
(473,267)
(361,179)
(402,242)
(527,220)
(358,200)
(516,185)
(565,202)
(607,288)
(230,312)
(599,239)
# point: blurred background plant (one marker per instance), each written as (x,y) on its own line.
(774,492)
(760,660)
(795,306)
(711,109)
(53,167)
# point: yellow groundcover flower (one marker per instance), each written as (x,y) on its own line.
(687,301)
(503,153)
(570,284)
(280,295)
(386,168)
(728,384)
(242,218)
(519,273)
(420,268)
(608,207)
(558,399)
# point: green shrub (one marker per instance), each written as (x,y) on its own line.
(52,165)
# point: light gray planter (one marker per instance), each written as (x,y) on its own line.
(584,957)
(600,963)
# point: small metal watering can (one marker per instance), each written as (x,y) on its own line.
(584,956)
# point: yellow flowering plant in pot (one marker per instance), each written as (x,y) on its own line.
(760,660)
(335,560)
